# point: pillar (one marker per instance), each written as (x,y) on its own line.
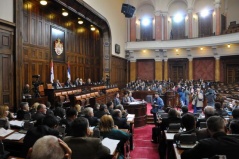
(132,70)
(158,26)
(133,29)
(218,17)
(165,26)
(217,68)
(165,69)
(190,23)
(159,70)
(190,69)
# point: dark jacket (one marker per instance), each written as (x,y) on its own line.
(219,144)
(121,123)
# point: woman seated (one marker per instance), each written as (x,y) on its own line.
(4,112)
(108,129)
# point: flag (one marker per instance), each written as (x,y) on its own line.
(52,72)
(68,70)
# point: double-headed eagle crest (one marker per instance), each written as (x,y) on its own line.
(58,46)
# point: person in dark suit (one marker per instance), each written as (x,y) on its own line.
(71,115)
(119,121)
(68,83)
(110,106)
(48,127)
(77,82)
(24,110)
(219,111)
(102,111)
(234,127)
(82,146)
(59,111)
(89,114)
(218,144)
(40,114)
(56,84)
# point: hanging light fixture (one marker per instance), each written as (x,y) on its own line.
(43,2)
(80,21)
(92,28)
(64,12)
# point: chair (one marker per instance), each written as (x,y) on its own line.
(174,127)
(186,141)
(3,123)
(49,86)
(203,125)
(41,90)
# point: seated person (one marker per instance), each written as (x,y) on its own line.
(123,111)
(234,127)
(68,83)
(110,106)
(119,121)
(208,112)
(58,149)
(49,108)
(71,115)
(131,99)
(56,84)
(218,144)
(59,110)
(33,108)
(4,112)
(219,111)
(184,110)
(79,109)
(125,99)
(116,99)
(96,108)
(82,146)
(88,82)
(235,116)
(189,123)
(77,82)
(89,114)
(48,127)
(108,129)
(24,109)
(173,117)
(103,110)
(40,114)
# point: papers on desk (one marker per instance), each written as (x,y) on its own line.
(15,136)
(16,123)
(4,132)
(135,103)
(130,117)
(111,144)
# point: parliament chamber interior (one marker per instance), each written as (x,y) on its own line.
(141,79)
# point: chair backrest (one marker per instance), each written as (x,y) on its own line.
(187,139)
(174,126)
(49,86)
(41,88)
(164,115)
(3,123)
(203,125)
(62,130)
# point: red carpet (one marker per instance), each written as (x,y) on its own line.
(143,147)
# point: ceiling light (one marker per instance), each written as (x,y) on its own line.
(43,2)
(145,21)
(64,13)
(92,28)
(204,13)
(80,21)
(201,48)
(228,45)
(178,18)
(176,50)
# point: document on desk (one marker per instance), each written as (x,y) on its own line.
(15,136)
(135,103)
(111,144)
(130,117)
(4,132)
(16,123)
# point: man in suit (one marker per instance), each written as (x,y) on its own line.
(24,110)
(82,146)
(68,83)
(56,84)
(116,100)
(218,144)
(40,114)
(119,121)
(89,114)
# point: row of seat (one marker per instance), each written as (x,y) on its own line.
(98,88)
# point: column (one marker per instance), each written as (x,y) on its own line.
(158,25)
(217,68)
(165,69)
(159,70)
(190,23)
(218,16)
(132,70)
(165,26)
(190,69)
(133,29)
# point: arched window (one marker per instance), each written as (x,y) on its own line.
(146,29)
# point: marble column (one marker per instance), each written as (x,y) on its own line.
(218,17)
(133,29)
(217,68)
(158,26)
(190,23)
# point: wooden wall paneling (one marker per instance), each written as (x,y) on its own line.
(178,69)
(47,34)
(204,68)
(40,32)
(25,31)
(145,69)
(33,30)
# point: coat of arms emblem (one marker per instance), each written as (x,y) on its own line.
(58,47)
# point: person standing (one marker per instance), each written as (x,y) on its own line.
(197,100)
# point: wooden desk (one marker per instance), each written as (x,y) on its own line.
(177,151)
(169,143)
(140,110)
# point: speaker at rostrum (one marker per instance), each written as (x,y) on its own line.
(128,10)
